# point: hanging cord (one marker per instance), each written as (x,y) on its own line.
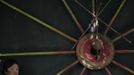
(89,26)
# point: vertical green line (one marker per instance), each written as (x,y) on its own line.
(93,7)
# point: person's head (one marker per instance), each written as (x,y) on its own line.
(10,67)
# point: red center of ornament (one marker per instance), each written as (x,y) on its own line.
(95,53)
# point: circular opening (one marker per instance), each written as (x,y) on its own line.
(95,52)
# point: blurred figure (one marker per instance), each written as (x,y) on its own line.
(10,67)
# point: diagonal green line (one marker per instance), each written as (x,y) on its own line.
(123,67)
(114,17)
(104,7)
(73,16)
(123,35)
(108,71)
(68,67)
(38,21)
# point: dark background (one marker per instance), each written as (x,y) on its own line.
(21,34)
